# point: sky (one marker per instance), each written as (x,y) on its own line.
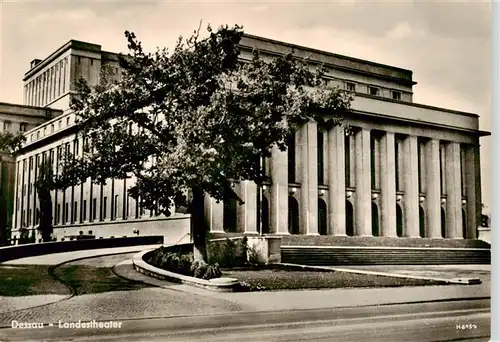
(447,44)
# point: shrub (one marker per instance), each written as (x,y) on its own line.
(200,271)
(228,253)
(183,264)
(213,271)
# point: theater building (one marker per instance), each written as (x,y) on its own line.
(403,169)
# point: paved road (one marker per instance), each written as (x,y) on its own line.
(404,322)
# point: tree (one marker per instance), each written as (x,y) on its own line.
(196,118)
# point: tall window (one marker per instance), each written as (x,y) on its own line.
(75,210)
(291,158)
(115,214)
(94,208)
(321,167)
(66,212)
(396,95)
(104,207)
(347,161)
(84,211)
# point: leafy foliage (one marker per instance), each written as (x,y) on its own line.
(197,117)
(10,142)
(183,264)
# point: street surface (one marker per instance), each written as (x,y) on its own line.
(438,321)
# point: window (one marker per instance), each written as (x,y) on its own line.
(58,214)
(396,95)
(373,91)
(7,125)
(350,86)
(75,210)
(66,212)
(38,134)
(60,123)
(67,121)
(94,208)
(115,214)
(84,211)
(104,207)
(52,128)
(23,127)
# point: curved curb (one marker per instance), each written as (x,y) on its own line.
(456,281)
(217,284)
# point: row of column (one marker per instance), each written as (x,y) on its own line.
(336,201)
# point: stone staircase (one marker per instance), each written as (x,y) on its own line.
(334,250)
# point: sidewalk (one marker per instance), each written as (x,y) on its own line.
(318,299)
(57,258)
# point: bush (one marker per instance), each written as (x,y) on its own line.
(229,253)
(212,271)
(183,264)
(201,269)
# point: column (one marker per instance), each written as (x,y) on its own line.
(433,190)
(247,212)
(279,192)
(410,186)
(471,180)
(309,179)
(388,185)
(214,215)
(453,191)
(362,212)
(336,181)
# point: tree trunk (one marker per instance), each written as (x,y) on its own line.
(198,225)
(45,226)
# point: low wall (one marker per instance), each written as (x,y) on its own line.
(484,234)
(35,249)
(174,229)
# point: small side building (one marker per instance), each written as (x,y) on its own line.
(15,118)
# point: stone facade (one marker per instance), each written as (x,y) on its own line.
(403,169)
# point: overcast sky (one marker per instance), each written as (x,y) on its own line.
(446,44)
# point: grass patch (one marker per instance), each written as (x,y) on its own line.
(86,279)
(28,280)
(286,279)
